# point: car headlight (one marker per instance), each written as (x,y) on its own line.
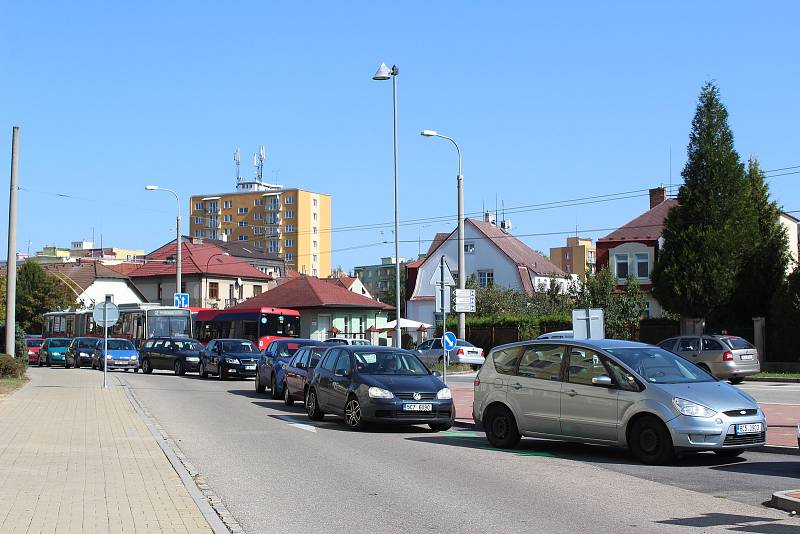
(692,409)
(444,394)
(108,356)
(380,393)
(30,353)
(234,361)
(134,357)
(84,354)
(192,359)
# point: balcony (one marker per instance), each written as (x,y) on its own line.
(231,302)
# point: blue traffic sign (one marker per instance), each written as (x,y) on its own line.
(181,300)
(449,341)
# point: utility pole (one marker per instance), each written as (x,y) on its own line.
(11,267)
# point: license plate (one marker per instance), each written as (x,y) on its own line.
(746,356)
(753,428)
(249,367)
(418,407)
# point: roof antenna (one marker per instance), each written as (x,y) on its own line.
(237,159)
(495,209)
(670,169)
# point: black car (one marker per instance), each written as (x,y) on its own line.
(229,357)
(378,384)
(80,351)
(177,354)
(299,372)
(273,362)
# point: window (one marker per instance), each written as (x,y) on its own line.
(313,272)
(314,260)
(228,231)
(314,230)
(198,206)
(258,230)
(584,365)
(213,290)
(243,224)
(227,204)
(256,290)
(485,278)
(258,216)
(227,218)
(289,214)
(668,344)
(642,265)
(289,256)
(330,360)
(198,220)
(505,360)
(469,248)
(315,202)
(542,362)
(243,238)
(711,344)
(198,233)
(289,200)
(288,243)
(314,216)
(622,377)
(258,202)
(315,245)
(290,228)
(242,211)
(273,246)
(160,292)
(621,262)
(689,344)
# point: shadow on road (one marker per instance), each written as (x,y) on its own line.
(736,523)
(776,469)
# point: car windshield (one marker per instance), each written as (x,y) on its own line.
(737,343)
(238,346)
(87,343)
(34,342)
(189,344)
(658,366)
(336,341)
(288,348)
(58,343)
(388,363)
(464,343)
(120,344)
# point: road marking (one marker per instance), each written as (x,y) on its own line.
(294,422)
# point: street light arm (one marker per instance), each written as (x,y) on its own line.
(458,149)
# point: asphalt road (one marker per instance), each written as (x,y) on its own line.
(274,469)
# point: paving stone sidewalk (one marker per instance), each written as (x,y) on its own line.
(77,458)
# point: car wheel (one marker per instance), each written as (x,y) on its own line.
(260,387)
(650,442)
(475,367)
(273,387)
(135,369)
(202,371)
(147,366)
(287,396)
(501,428)
(312,406)
(438,427)
(221,372)
(352,414)
(178,368)
(729,453)
(736,380)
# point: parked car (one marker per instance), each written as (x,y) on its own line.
(81,349)
(120,354)
(430,352)
(273,362)
(34,345)
(345,341)
(229,357)
(378,384)
(611,392)
(53,351)
(177,354)
(558,334)
(726,357)
(299,372)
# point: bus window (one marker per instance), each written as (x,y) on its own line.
(250,330)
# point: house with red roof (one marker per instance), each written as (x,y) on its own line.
(327,308)
(492,256)
(212,277)
(634,247)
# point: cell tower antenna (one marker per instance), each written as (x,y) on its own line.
(237,159)
(670,169)
(258,162)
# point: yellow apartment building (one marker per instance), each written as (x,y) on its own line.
(290,222)
(578,257)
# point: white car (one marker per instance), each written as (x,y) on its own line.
(430,352)
(345,341)
(560,334)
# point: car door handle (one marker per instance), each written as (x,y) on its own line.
(572,392)
(516,385)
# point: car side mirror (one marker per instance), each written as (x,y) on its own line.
(342,372)
(437,374)
(603,381)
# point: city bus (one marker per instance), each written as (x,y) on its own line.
(137,322)
(259,325)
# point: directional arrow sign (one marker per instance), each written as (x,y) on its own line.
(436,279)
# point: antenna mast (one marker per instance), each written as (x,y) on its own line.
(237,159)
(258,162)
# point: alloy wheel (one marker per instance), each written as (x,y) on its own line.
(352,413)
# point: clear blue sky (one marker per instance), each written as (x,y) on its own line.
(548,104)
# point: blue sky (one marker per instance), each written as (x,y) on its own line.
(548,103)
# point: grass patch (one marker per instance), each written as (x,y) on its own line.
(776,375)
(9,385)
(452,368)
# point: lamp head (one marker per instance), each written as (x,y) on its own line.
(151,187)
(383,73)
(429,133)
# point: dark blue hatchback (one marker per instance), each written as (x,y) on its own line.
(381,385)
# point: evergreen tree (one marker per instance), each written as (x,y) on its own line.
(699,265)
(38,293)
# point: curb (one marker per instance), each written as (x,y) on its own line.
(777,449)
(471,425)
(782,501)
(214,511)
(771,379)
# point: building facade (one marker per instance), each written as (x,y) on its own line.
(578,257)
(292,223)
(379,278)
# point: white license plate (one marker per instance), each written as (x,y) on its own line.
(418,407)
(753,428)
(249,367)
(746,356)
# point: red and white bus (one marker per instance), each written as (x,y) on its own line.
(259,325)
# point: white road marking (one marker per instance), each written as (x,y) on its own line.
(294,422)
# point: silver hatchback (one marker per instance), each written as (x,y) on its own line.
(727,357)
(611,392)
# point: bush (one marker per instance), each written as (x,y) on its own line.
(11,367)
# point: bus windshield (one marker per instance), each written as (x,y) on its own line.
(169,323)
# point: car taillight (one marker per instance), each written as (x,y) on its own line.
(477,383)
(460,352)
(727,356)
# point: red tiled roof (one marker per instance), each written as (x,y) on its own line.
(415,264)
(311,292)
(646,227)
(516,250)
(82,273)
(197,259)
(438,239)
(124,268)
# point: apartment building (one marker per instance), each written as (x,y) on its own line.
(578,257)
(293,223)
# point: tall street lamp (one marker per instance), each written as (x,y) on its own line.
(179,241)
(460,187)
(384,73)
(208,290)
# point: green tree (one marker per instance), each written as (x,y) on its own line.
(38,293)
(784,316)
(699,265)
(625,310)
(388,295)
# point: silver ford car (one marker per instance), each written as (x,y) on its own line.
(618,393)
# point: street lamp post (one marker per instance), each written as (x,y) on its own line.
(460,187)
(179,241)
(384,73)
(208,262)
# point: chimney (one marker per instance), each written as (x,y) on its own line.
(657,196)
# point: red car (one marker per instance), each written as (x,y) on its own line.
(34,347)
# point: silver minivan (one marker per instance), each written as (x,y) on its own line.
(727,357)
(619,393)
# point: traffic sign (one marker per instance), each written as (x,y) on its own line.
(436,279)
(449,341)
(181,300)
(110,317)
(446,300)
(465,300)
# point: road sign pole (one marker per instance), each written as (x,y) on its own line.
(444,323)
(105,342)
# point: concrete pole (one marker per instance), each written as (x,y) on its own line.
(11,267)
(180,246)
(398,328)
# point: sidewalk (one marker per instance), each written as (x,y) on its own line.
(77,458)
(782,419)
